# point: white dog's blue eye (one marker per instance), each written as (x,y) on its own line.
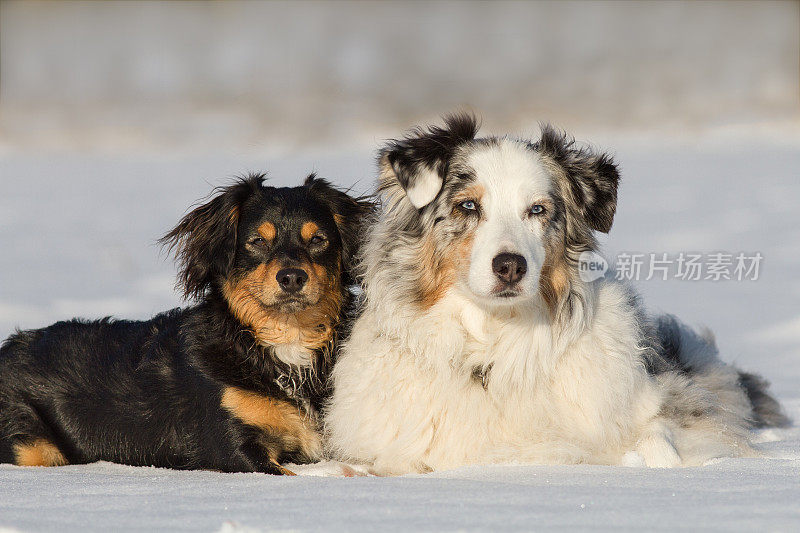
(469,205)
(536,209)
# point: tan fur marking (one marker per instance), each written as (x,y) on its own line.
(279,418)
(339,219)
(39,453)
(250,299)
(473,192)
(268,231)
(438,270)
(554,279)
(319,270)
(308,230)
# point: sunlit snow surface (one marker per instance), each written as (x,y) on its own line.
(77,237)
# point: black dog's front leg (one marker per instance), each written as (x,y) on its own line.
(261,451)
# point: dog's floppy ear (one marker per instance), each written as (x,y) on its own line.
(349,213)
(418,163)
(592,177)
(204,241)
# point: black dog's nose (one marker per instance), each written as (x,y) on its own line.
(291,279)
(510,268)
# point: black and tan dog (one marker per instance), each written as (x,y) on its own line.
(232,383)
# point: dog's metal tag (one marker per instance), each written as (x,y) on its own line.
(481,375)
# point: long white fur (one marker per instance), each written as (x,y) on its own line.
(557,391)
(294,354)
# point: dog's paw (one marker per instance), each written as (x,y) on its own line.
(633,460)
(329,469)
(658,452)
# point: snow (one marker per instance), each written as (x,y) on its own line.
(739,494)
(77,234)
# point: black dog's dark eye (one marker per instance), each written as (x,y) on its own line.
(317,239)
(258,241)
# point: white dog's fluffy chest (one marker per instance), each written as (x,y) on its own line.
(464,387)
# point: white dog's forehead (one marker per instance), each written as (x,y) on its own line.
(512,175)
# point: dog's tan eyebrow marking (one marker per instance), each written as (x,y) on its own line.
(267,230)
(473,192)
(308,230)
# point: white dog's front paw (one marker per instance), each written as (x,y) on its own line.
(329,469)
(658,451)
(633,460)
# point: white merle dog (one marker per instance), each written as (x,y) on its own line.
(478,341)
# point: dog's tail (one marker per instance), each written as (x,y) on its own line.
(695,355)
(767,411)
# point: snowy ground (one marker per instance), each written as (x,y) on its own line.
(77,237)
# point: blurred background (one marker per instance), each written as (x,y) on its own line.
(115,117)
(182,75)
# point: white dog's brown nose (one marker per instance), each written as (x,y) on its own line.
(509,268)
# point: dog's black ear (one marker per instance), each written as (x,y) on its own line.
(592,177)
(418,163)
(349,213)
(204,241)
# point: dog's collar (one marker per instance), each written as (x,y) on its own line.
(481,375)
